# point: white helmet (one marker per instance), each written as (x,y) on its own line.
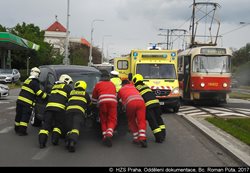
(115,73)
(35,72)
(65,79)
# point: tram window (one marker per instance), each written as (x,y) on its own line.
(211,64)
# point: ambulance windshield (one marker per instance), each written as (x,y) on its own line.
(156,71)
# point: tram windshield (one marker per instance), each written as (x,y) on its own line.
(156,71)
(211,64)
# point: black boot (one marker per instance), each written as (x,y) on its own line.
(55,138)
(107,141)
(163,134)
(71,147)
(42,140)
(16,128)
(22,131)
(67,141)
(158,137)
(143,143)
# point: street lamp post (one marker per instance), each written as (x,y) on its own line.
(66,58)
(107,57)
(103,46)
(91,39)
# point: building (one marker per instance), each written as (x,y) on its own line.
(55,34)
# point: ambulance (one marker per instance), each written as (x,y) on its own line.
(159,70)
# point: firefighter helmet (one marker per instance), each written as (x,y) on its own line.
(81,84)
(35,72)
(137,78)
(65,79)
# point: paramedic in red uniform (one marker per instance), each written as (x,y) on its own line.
(135,111)
(104,96)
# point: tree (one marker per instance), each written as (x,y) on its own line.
(79,54)
(34,34)
(241,65)
(2,28)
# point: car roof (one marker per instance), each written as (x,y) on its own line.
(70,68)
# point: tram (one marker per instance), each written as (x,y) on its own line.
(204,74)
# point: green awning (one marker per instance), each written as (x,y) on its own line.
(12,42)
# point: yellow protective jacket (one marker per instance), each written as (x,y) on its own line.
(58,97)
(117,82)
(147,95)
(30,91)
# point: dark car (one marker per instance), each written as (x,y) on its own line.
(51,73)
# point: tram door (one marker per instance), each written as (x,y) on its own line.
(187,76)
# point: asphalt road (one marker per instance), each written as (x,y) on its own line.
(184,146)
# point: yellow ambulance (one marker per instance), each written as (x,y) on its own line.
(159,70)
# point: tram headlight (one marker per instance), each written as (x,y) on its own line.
(224,85)
(202,84)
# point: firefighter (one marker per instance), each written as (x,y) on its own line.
(116,80)
(26,100)
(153,109)
(55,111)
(78,103)
(135,110)
(104,96)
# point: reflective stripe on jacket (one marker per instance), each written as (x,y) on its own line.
(147,94)
(29,91)
(59,97)
(78,101)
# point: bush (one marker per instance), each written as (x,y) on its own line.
(242,74)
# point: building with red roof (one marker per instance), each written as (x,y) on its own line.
(55,34)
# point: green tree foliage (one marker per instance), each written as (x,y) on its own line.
(79,54)
(241,56)
(241,65)
(34,34)
(2,29)
(97,55)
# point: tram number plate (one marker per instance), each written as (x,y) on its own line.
(161,103)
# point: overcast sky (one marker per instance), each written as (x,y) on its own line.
(132,23)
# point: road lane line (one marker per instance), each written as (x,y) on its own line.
(41,154)
(12,107)
(4,102)
(6,129)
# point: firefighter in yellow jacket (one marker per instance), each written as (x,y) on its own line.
(26,100)
(114,77)
(153,109)
(55,111)
(78,104)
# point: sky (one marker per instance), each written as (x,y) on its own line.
(129,24)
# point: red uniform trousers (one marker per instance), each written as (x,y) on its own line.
(108,117)
(136,114)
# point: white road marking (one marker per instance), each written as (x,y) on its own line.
(12,107)
(4,102)
(244,111)
(41,154)
(217,111)
(192,111)
(6,129)
(184,108)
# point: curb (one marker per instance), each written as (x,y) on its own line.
(230,144)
